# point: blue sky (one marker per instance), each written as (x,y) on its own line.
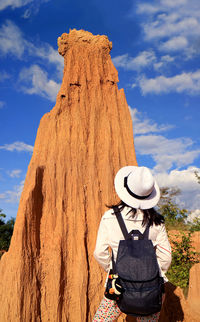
(156,50)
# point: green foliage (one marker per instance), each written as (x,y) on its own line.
(173,214)
(2,216)
(6,231)
(195,226)
(183,257)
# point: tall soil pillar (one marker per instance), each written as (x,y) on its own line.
(49,273)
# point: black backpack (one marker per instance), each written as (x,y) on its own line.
(138,273)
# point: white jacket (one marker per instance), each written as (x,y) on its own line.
(109,235)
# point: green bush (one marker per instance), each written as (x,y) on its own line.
(183,257)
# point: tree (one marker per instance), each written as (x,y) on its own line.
(2,216)
(168,208)
(6,231)
(197,176)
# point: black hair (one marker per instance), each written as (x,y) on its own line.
(151,216)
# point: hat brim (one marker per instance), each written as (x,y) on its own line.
(123,194)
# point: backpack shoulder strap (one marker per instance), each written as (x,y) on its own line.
(146,232)
(121,222)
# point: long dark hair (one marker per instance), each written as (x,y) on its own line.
(151,216)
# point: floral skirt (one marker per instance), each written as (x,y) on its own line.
(108,311)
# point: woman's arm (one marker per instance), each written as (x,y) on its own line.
(163,250)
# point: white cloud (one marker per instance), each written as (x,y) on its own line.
(170,25)
(146,8)
(15,173)
(27,13)
(33,8)
(185,180)
(173,3)
(17,146)
(19,3)
(2,104)
(177,22)
(158,66)
(121,61)
(34,80)
(163,62)
(47,53)
(13,3)
(166,152)
(144,59)
(11,40)
(13,196)
(167,58)
(174,44)
(185,82)
(143,125)
(174,20)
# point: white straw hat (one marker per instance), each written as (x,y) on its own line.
(137,187)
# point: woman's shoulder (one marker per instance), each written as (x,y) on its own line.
(108,214)
(159,228)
